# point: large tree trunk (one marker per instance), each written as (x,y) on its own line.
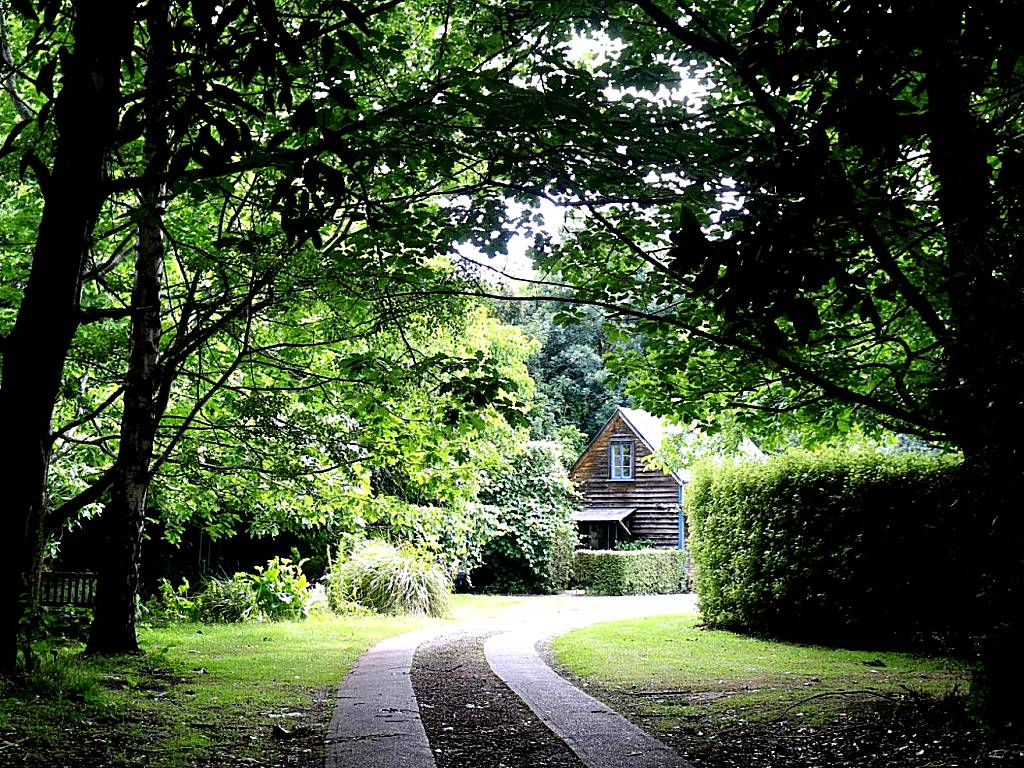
(113,629)
(85,115)
(999,679)
(982,402)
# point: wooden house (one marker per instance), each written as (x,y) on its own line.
(623,499)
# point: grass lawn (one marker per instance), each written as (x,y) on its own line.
(724,699)
(200,694)
(262,694)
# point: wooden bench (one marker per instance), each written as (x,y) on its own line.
(64,588)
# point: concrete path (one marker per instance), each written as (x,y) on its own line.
(601,737)
(376,720)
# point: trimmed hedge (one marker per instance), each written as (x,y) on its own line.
(850,548)
(637,572)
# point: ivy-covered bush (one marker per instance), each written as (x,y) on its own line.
(532,553)
(631,572)
(454,536)
(857,548)
(379,576)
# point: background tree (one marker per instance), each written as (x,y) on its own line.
(575,394)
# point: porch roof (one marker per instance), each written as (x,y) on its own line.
(602,514)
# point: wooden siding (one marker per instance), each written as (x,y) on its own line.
(654,494)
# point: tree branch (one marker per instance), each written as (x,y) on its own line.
(58,517)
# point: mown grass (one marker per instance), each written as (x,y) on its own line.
(675,670)
(199,694)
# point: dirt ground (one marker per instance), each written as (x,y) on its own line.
(471,717)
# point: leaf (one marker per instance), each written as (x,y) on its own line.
(9,146)
(355,15)
(44,80)
(304,116)
(341,96)
(868,311)
(350,43)
(804,316)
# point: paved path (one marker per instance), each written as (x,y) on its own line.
(376,720)
(601,737)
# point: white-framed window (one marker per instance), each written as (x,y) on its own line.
(620,455)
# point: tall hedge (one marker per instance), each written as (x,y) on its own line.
(852,548)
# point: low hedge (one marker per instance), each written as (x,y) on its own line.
(850,548)
(637,572)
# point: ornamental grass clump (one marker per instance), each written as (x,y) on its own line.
(385,579)
(225,601)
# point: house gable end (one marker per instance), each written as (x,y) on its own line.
(652,496)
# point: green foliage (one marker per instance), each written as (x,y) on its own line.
(453,535)
(636,572)
(171,604)
(852,547)
(561,553)
(387,445)
(65,621)
(575,395)
(536,536)
(633,545)
(277,591)
(57,676)
(379,576)
(225,601)
(280,590)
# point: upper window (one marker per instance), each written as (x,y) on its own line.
(621,459)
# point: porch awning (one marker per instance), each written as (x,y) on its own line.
(602,514)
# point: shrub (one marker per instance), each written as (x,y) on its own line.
(561,553)
(223,601)
(859,548)
(276,591)
(378,576)
(170,603)
(280,590)
(636,572)
(533,551)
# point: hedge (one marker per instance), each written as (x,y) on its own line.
(637,572)
(851,548)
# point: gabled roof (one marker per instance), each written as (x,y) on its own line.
(646,426)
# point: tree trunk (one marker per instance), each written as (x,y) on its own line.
(85,116)
(982,401)
(113,629)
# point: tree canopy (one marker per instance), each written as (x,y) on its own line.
(228,228)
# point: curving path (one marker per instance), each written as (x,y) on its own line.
(376,720)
